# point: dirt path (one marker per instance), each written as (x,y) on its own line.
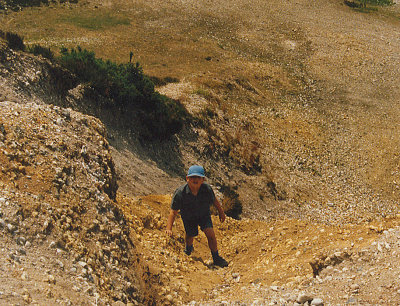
(269,261)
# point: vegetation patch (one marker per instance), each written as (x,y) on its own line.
(203,93)
(163,81)
(364,5)
(379,2)
(17,5)
(14,41)
(97,21)
(132,93)
(39,50)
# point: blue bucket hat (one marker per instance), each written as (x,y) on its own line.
(196,171)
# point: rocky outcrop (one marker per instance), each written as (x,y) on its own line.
(58,184)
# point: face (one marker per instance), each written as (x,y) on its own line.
(194,182)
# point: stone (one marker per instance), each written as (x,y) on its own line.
(60,263)
(351,300)
(49,294)
(303,297)
(22,251)
(317,302)
(355,288)
(82,264)
(11,228)
(26,296)
(21,240)
(14,257)
(51,279)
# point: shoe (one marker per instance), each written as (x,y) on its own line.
(189,250)
(220,262)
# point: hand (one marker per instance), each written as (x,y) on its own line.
(169,232)
(222,216)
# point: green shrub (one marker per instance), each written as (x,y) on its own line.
(39,50)
(362,4)
(131,91)
(18,4)
(163,81)
(14,41)
(202,92)
(380,2)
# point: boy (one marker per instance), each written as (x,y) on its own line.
(193,200)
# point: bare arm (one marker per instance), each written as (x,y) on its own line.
(170,222)
(221,212)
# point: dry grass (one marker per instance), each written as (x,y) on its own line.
(164,41)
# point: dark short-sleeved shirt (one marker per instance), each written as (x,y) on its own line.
(191,206)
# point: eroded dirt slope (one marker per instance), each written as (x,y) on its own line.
(63,241)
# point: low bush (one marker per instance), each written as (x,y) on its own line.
(362,4)
(39,50)
(155,116)
(14,41)
(163,81)
(380,2)
(132,94)
(18,4)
